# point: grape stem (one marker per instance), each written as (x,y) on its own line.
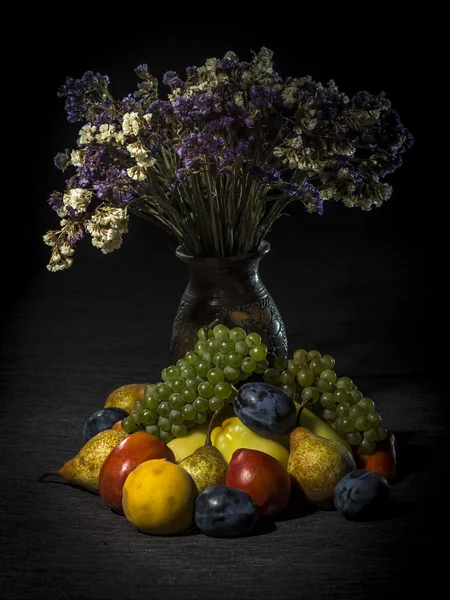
(210,428)
(234,388)
(210,326)
(300,410)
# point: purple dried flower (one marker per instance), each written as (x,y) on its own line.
(82,94)
(266,175)
(173,80)
(55,200)
(311,198)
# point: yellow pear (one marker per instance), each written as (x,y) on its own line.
(125,396)
(84,468)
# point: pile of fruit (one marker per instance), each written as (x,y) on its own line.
(225,440)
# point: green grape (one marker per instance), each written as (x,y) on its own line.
(241,347)
(200,347)
(261,366)
(128,424)
(206,390)
(287,377)
(212,346)
(253,339)
(281,363)
(175,417)
(248,365)
(179,430)
(166,436)
(231,373)
(148,417)
(220,360)
(289,388)
(340,395)
(200,404)
(179,384)
(243,376)
(207,356)
(201,334)
(367,404)
(173,372)
(345,425)
(136,416)
(344,383)
(363,423)
(188,395)
(366,447)
(138,405)
(237,334)
(310,393)
(202,367)
(226,346)
(221,332)
(181,363)
(164,424)
(188,412)
(187,372)
(222,390)
(305,377)
(164,375)
(329,415)
(190,424)
(150,390)
(215,376)
(200,417)
(329,375)
(163,391)
(192,384)
(343,409)
(371,435)
(355,396)
(163,409)
(323,385)
(191,358)
(293,367)
(328,361)
(381,433)
(271,376)
(327,401)
(313,354)
(354,438)
(176,401)
(317,366)
(300,357)
(258,353)
(356,411)
(151,402)
(374,419)
(216,403)
(151,429)
(234,359)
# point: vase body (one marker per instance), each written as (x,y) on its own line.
(229,290)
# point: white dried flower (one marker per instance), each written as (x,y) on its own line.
(77,157)
(106,133)
(137,173)
(106,228)
(120,137)
(87,134)
(78,199)
(131,123)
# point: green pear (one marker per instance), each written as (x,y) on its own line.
(206,465)
(316,464)
(83,469)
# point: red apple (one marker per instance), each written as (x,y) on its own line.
(129,454)
(263,477)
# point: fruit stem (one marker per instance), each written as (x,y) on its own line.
(210,326)
(234,388)
(50,473)
(300,410)
(210,428)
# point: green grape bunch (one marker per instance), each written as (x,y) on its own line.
(200,383)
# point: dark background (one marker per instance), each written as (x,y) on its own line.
(364,287)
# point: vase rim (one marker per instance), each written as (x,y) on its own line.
(263,249)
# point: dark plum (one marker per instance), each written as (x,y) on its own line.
(361,494)
(101,420)
(222,511)
(265,409)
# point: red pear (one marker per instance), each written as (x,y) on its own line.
(262,477)
(129,454)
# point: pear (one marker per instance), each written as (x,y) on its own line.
(83,469)
(317,464)
(206,465)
